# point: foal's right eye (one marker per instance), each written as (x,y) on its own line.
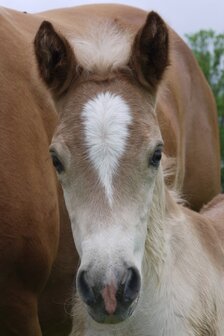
(156,158)
(57,163)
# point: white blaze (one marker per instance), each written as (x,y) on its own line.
(106,119)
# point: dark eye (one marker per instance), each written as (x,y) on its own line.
(57,163)
(155,159)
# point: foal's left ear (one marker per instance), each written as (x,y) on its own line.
(55,58)
(150,54)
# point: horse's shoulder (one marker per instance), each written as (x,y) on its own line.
(214,211)
(208,226)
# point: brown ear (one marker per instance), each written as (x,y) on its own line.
(150,55)
(55,58)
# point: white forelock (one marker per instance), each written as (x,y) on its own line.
(106,119)
(104,47)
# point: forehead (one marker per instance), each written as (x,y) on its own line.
(105,125)
(115,100)
(112,111)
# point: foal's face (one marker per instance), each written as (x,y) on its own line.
(107,151)
(109,147)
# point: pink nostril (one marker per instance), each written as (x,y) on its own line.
(109,297)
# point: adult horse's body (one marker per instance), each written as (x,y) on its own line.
(123,84)
(30,204)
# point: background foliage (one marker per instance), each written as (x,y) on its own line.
(208,47)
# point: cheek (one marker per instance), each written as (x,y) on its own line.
(139,244)
(141,216)
(145,201)
(73,211)
(68,201)
(77,237)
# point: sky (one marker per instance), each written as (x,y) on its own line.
(185,16)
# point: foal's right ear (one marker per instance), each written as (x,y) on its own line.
(150,53)
(55,58)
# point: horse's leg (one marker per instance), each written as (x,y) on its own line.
(18,312)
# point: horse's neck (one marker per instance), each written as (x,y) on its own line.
(179,247)
(165,225)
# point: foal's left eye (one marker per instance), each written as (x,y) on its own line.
(156,157)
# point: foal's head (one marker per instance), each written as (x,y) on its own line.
(106,151)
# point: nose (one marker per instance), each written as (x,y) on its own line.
(113,296)
(131,285)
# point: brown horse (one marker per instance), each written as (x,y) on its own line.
(30,204)
(125,86)
(37,250)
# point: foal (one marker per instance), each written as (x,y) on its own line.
(149,266)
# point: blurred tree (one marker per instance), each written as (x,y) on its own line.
(208,48)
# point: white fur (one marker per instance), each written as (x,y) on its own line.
(106,119)
(180,284)
(118,246)
(103,47)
